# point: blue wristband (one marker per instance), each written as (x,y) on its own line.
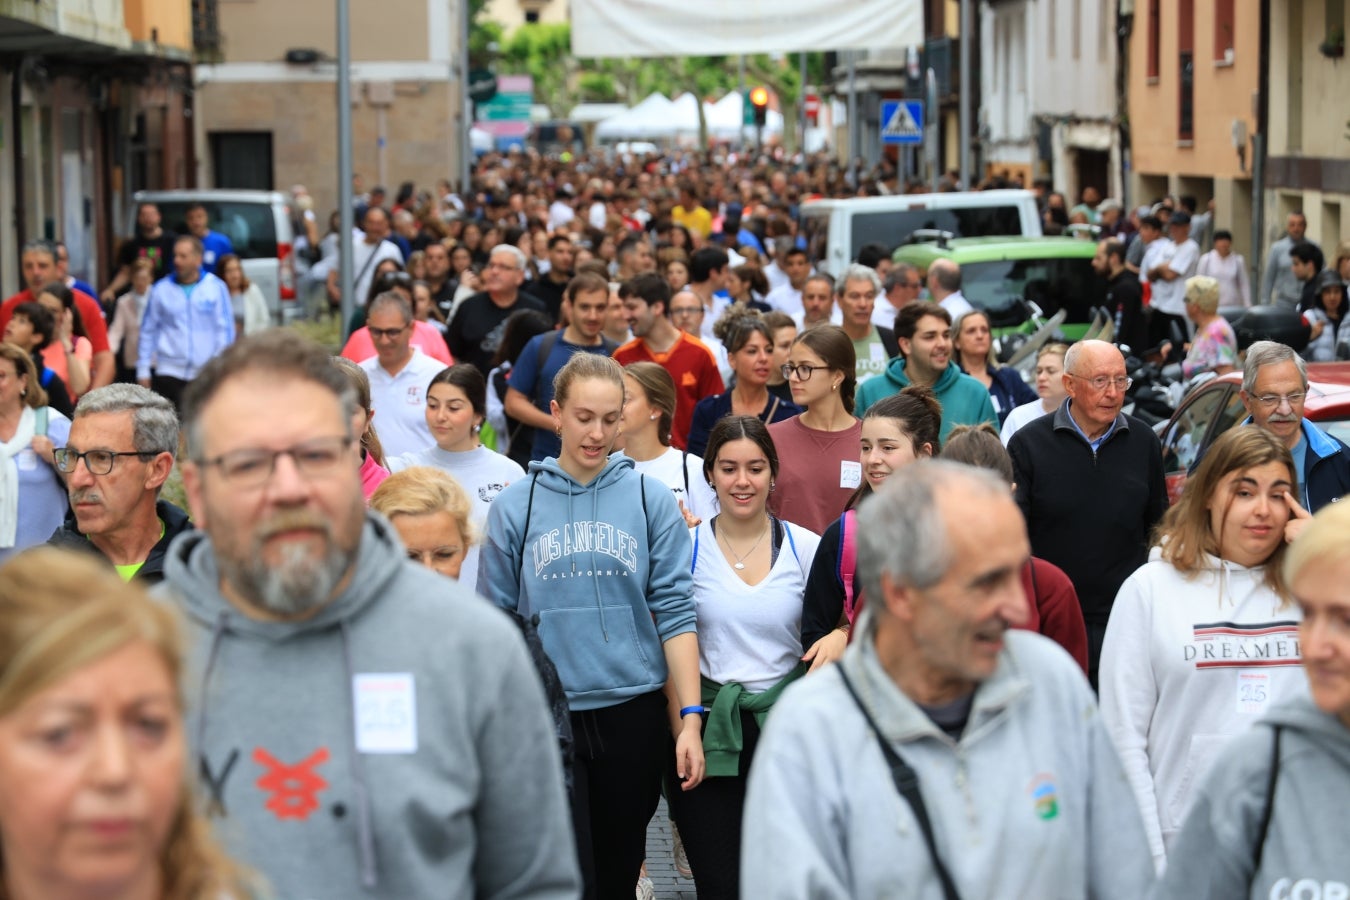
(692,710)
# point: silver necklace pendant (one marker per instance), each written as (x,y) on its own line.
(740,565)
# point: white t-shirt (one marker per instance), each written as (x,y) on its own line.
(400,403)
(674,469)
(957,305)
(363,266)
(785,298)
(751,635)
(1021,415)
(482,473)
(836,317)
(883,313)
(1170,296)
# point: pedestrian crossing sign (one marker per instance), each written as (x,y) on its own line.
(902,122)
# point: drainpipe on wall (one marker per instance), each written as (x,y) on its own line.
(1259,147)
(1124,25)
(16,139)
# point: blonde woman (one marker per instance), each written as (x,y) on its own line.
(1050,391)
(32,496)
(431,513)
(1202,640)
(94,793)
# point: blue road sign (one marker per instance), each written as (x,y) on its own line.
(902,121)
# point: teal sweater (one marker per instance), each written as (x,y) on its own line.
(964,400)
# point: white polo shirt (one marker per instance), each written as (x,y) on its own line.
(400,403)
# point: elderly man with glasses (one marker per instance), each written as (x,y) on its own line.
(475,332)
(120,451)
(1090,483)
(1274,389)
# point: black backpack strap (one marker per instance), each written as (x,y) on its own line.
(546,345)
(1266,813)
(684,467)
(907,785)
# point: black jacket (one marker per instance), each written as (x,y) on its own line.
(152,571)
(1125,304)
(1090,513)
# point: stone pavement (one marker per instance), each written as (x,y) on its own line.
(661,861)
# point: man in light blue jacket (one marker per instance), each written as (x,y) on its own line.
(188,320)
(946,755)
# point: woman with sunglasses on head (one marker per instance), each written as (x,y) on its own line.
(896,431)
(819,448)
(425,336)
(456,410)
(1202,639)
(600,555)
(750,569)
(749,345)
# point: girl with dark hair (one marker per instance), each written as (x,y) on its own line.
(896,431)
(749,344)
(514,438)
(819,448)
(747,284)
(599,557)
(70,354)
(750,570)
(456,410)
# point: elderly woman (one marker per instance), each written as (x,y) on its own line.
(1214,348)
(95,787)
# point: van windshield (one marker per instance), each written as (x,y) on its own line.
(893,227)
(249,226)
(1052,284)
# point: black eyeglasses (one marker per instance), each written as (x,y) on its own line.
(317,458)
(386,333)
(98,462)
(802,370)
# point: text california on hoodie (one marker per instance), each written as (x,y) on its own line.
(608,586)
(456,790)
(1304,854)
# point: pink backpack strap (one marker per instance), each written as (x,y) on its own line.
(848,558)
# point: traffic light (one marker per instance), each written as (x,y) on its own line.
(759,100)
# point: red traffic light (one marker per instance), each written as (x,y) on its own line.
(759,98)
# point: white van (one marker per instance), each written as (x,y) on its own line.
(258,224)
(835,230)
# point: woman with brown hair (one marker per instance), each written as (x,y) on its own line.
(749,344)
(95,800)
(1203,638)
(819,448)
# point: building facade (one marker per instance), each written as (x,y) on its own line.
(1193,74)
(267,107)
(1308,147)
(94,97)
(1050,100)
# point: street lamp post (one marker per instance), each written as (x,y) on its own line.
(344,118)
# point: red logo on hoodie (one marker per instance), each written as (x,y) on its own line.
(294,788)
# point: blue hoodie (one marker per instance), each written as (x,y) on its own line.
(609,585)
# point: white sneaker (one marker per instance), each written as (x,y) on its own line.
(681,857)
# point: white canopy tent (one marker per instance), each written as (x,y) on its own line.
(725,118)
(646,120)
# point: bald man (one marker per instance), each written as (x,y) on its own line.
(1090,483)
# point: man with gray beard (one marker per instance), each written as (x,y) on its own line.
(122,442)
(370,728)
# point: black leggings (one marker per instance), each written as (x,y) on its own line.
(709,819)
(620,755)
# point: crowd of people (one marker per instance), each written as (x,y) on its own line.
(885,620)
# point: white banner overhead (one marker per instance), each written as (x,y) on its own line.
(604,28)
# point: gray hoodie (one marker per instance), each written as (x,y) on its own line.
(1305,852)
(1030,802)
(456,790)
